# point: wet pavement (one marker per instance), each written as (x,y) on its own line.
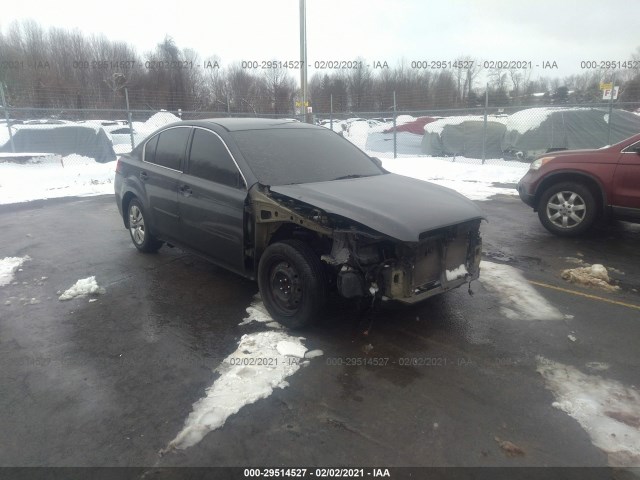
(111,382)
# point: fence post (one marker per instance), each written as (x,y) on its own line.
(613,87)
(126,97)
(6,116)
(484,126)
(331,112)
(395,134)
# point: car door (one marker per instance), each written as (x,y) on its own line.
(160,173)
(211,197)
(626,183)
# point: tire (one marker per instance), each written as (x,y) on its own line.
(567,209)
(139,228)
(292,283)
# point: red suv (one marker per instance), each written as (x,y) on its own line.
(570,189)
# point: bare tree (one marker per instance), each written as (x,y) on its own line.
(280,89)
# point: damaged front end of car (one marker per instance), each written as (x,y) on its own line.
(363,262)
(408,272)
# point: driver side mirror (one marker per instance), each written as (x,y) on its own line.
(377,161)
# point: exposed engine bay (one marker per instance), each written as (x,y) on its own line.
(363,262)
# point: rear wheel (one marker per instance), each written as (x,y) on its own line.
(292,283)
(139,228)
(567,209)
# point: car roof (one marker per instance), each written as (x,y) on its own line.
(238,124)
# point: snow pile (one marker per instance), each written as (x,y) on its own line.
(8,267)
(456,273)
(291,348)
(595,275)
(607,410)
(47,178)
(517,298)
(160,119)
(402,119)
(465,175)
(260,364)
(357,133)
(82,288)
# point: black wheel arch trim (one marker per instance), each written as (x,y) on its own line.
(577,173)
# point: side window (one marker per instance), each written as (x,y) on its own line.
(171,147)
(210,160)
(150,150)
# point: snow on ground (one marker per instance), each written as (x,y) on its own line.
(8,267)
(518,299)
(257,312)
(607,410)
(47,178)
(82,288)
(261,363)
(466,176)
(82,176)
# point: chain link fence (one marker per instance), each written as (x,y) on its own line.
(479,135)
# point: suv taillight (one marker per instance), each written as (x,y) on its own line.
(119,166)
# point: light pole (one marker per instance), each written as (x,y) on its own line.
(303,57)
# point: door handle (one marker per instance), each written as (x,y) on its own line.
(185,190)
(143,175)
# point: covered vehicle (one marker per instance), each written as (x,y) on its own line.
(89,141)
(465,136)
(298,208)
(536,131)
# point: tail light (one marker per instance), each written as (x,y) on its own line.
(119,166)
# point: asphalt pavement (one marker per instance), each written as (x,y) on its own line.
(111,382)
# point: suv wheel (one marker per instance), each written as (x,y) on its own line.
(139,228)
(567,209)
(292,283)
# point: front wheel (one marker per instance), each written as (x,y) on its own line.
(567,209)
(292,283)
(139,228)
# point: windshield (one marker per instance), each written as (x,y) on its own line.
(285,156)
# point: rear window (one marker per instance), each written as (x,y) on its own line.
(150,150)
(171,147)
(285,156)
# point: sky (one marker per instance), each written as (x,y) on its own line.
(566,32)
